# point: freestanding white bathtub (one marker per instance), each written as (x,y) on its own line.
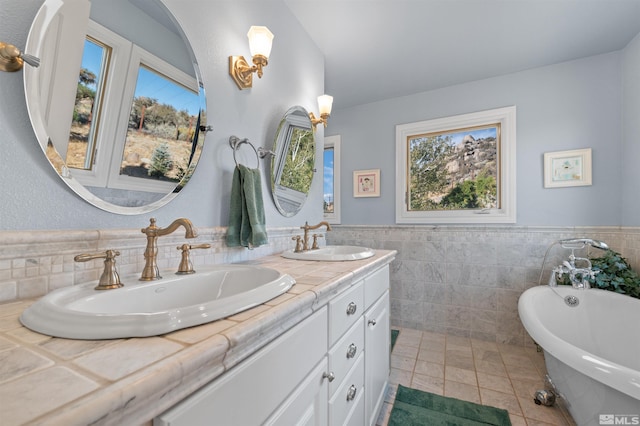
(591,349)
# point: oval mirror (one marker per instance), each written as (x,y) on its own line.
(117,103)
(293,165)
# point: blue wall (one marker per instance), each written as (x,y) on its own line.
(593,102)
(631,134)
(33,197)
(571,105)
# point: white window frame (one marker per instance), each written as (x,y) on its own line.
(126,59)
(140,57)
(111,101)
(506,117)
(333,142)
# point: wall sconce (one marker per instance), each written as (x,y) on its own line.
(11,59)
(260,39)
(324,106)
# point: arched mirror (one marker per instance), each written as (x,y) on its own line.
(293,165)
(117,103)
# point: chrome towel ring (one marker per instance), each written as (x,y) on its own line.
(235,143)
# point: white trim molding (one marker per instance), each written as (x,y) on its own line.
(334,142)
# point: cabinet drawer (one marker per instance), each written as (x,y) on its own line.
(344,354)
(348,397)
(375,285)
(344,311)
(357,415)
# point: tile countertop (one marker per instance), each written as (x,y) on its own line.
(48,380)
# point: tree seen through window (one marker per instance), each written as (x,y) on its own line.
(453,170)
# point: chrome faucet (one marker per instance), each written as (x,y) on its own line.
(567,267)
(150,271)
(307,228)
(579,277)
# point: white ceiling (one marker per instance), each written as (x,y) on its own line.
(380,49)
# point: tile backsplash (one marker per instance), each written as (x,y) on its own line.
(33,263)
(458,280)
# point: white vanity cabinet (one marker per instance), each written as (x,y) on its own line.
(331,369)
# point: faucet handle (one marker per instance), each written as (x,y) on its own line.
(298,241)
(186,267)
(315,241)
(109,278)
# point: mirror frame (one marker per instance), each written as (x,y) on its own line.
(297,117)
(35,45)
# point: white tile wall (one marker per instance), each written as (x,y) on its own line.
(466,280)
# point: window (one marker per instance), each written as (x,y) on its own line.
(331,182)
(135,122)
(91,83)
(457,169)
(161,128)
(151,152)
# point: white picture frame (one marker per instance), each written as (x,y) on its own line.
(366,183)
(567,168)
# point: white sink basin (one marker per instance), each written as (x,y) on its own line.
(331,253)
(154,307)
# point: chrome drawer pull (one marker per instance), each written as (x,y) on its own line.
(329,376)
(352,350)
(351,309)
(372,322)
(352,393)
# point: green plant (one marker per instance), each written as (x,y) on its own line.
(613,274)
(160,161)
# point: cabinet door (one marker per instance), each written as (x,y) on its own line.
(376,350)
(307,405)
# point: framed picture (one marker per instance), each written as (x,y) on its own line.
(567,168)
(366,183)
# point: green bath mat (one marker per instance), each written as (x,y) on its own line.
(413,407)
(394,337)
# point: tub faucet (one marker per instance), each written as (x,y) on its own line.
(579,277)
(307,228)
(150,271)
(572,244)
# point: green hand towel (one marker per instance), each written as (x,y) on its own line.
(246,213)
(235,210)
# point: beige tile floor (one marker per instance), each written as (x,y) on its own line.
(504,376)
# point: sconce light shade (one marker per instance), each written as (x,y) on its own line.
(325,103)
(260,41)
